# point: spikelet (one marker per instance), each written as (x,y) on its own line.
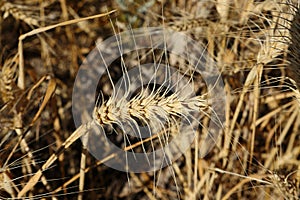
(147,108)
(287,188)
(7,78)
(19,12)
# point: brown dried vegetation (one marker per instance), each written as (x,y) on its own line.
(43,43)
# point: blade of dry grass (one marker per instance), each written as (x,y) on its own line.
(21,79)
(33,180)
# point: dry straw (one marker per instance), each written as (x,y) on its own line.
(252,44)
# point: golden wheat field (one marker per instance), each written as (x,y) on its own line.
(90,89)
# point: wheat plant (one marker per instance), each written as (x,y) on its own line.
(250,152)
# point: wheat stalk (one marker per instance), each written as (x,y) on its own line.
(156,108)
